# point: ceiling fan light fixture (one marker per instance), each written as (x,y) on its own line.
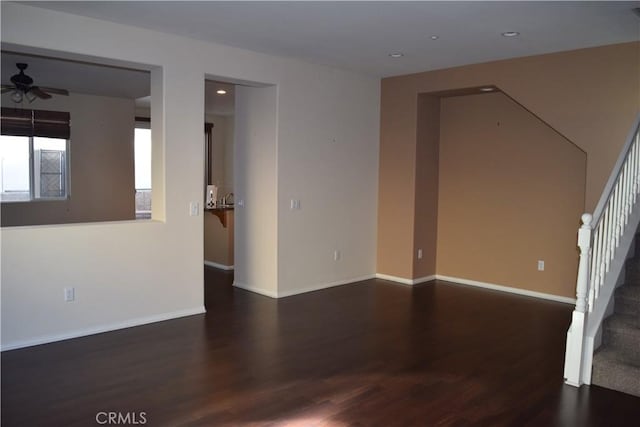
(30,96)
(16,96)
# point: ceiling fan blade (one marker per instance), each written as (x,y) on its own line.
(39,92)
(55,91)
(7,89)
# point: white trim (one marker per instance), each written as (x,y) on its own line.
(404,281)
(216,265)
(105,328)
(260,291)
(475,283)
(424,279)
(508,289)
(325,286)
(285,294)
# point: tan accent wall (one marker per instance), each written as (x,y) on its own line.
(511,193)
(101,166)
(396,183)
(591,96)
(426,216)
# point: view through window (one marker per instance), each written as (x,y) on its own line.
(32,168)
(142,156)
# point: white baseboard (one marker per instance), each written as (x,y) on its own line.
(508,289)
(104,328)
(256,290)
(216,265)
(405,281)
(324,286)
(478,284)
(313,288)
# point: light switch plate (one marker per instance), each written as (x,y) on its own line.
(194,208)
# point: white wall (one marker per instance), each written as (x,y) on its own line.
(327,159)
(256,221)
(135,272)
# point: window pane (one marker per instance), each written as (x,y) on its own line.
(14,168)
(49,167)
(142,158)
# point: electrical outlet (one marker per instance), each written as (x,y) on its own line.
(419,253)
(540,265)
(295,204)
(69,294)
(336,255)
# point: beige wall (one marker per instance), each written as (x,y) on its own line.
(218,239)
(591,96)
(222,153)
(511,193)
(145,271)
(101,164)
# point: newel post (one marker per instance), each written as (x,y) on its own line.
(575,336)
(584,243)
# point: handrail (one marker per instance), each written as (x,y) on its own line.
(600,257)
(613,177)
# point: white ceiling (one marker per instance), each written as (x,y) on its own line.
(214,103)
(360,35)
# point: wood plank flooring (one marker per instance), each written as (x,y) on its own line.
(367,354)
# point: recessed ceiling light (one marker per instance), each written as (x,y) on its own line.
(221,92)
(510,34)
(396,55)
(486,89)
(434,37)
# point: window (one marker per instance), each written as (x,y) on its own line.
(142,162)
(33,155)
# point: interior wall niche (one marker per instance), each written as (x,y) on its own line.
(510,191)
(99,161)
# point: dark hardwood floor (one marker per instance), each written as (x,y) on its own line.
(367,354)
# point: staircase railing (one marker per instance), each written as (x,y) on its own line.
(604,240)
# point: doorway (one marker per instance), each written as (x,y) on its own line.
(219,203)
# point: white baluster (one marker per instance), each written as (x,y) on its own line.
(617,216)
(593,289)
(608,238)
(599,255)
(626,194)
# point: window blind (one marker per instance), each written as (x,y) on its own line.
(50,124)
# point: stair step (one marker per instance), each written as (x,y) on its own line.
(612,373)
(632,269)
(627,301)
(622,335)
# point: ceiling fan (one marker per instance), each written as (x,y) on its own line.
(23,87)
